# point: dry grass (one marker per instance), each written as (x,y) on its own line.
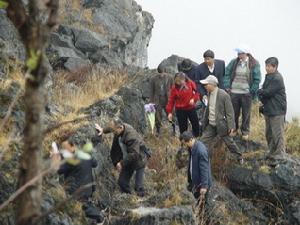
(81,89)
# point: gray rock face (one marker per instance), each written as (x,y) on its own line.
(277,185)
(123,41)
(151,216)
(10,44)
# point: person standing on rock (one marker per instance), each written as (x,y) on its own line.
(199,169)
(210,66)
(160,86)
(241,80)
(183,96)
(273,97)
(218,117)
(128,154)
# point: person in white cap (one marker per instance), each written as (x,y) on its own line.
(218,117)
(241,80)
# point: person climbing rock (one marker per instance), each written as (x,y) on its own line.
(183,96)
(128,154)
(160,86)
(77,172)
(273,97)
(218,117)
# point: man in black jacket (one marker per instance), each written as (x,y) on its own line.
(273,97)
(127,154)
(210,66)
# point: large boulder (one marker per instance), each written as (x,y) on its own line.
(122,40)
(274,187)
(171,63)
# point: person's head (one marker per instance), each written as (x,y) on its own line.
(271,65)
(68,145)
(179,78)
(242,51)
(117,126)
(186,65)
(161,69)
(210,83)
(187,139)
(209,57)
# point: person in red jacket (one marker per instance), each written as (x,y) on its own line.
(183,95)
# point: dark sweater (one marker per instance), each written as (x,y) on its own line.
(77,176)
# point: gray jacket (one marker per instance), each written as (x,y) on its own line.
(224,113)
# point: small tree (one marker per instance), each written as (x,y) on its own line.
(34,23)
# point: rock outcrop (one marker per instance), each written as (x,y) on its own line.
(122,40)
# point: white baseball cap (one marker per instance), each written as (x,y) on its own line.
(210,79)
(242,48)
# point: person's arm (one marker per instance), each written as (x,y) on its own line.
(94,162)
(203,164)
(221,75)
(227,75)
(171,101)
(229,112)
(64,169)
(276,84)
(256,79)
(196,95)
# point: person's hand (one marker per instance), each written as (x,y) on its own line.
(99,129)
(192,102)
(203,191)
(231,132)
(205,100)
(119,166)
(228,90)
(55,160)
(170,117)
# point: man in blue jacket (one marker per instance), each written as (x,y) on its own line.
(199,170)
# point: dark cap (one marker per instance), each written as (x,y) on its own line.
(186,65)
(272,61)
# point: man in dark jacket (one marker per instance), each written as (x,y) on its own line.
(273,97)
(210,66)
(218,117)
(78,175)
(199,169)
(241,80)
(188,67)
(160,86)
(127,154)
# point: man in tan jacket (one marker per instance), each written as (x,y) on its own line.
(219,117)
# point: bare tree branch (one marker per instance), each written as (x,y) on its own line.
(10,108)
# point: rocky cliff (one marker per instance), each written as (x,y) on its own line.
(97,54)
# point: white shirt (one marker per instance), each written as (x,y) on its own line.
(212,107)
(212,68)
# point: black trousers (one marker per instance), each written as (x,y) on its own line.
(242,102)
(183,116)
(125,176)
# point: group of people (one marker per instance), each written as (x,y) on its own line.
(212,97)
(210,91)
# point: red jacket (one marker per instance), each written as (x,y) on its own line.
(181,97)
